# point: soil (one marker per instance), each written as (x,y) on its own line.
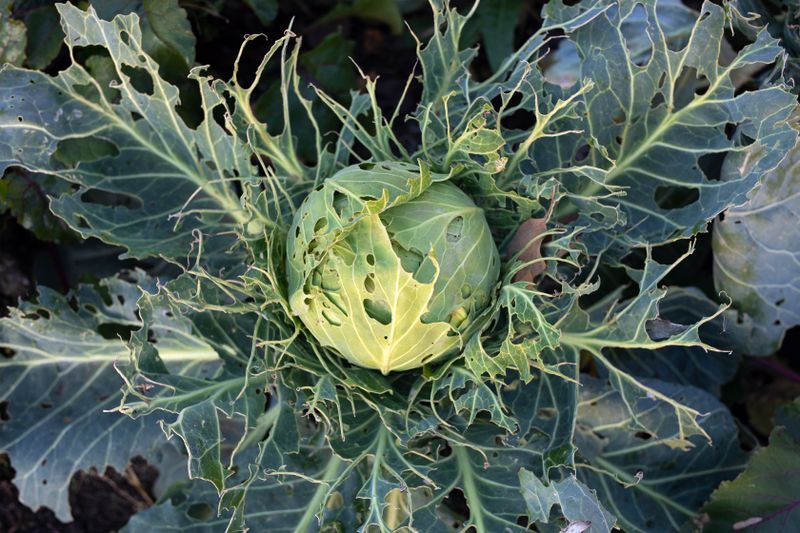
(99,503)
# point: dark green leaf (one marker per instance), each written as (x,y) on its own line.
(686,365)
(45,36)
(265,10)
(170,24)
(655,132)
(27,197)
(765,498)
(57,379)
(157,195)
(12,40)
(648,484)
(497,21)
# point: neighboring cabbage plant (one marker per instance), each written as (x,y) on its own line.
(388,267)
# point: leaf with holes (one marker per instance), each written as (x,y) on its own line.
(757,253)
(655,139)
(647,485)
(59,380)
(146,180)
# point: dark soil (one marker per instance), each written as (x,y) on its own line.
(100,503)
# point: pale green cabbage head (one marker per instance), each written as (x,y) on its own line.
(389,264)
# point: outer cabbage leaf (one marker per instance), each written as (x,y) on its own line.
(766,496)
(627,141)
(625,327)
(483,461)
(757,252)
(155,181)
(578,503)
(562,66)
(238,424)
(59,379)
(166,32)
(645,483)
(289,504)
(656,134)
(388,471)
(685,365)
(409,461)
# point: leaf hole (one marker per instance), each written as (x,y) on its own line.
(730,130)
(445,450)
(113,331)
(111,199)
(378,310)
(644,435)
(455,229)
(369,283)
(321,225)
(200,511)
(582,153)
(711,165)
(675,197)
(657,100)
(339,203)
(139,78)
(84,150)
(4,416)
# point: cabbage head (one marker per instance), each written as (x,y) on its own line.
(390,264)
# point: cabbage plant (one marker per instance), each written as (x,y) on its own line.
(466,331)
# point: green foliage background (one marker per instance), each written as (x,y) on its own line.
(594,398)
